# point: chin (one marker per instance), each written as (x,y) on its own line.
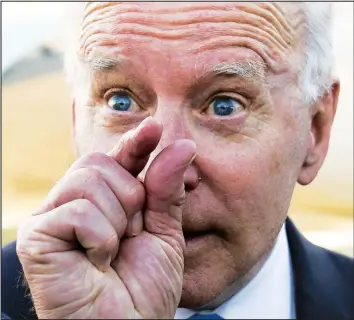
(201,286)
(209,269)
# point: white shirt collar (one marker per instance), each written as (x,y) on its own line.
(269,295)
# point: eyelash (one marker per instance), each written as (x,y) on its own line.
(225,95)
(111,92)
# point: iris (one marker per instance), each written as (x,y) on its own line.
(224,106)
(120,102)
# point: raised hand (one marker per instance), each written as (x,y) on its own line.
(103,245)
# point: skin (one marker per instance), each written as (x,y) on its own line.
(238,187)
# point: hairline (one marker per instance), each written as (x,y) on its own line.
(314,75)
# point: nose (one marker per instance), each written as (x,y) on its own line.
(174,128)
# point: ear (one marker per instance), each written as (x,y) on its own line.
(323,114)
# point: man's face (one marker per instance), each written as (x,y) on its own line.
(218,74)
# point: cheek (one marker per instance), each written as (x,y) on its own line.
(89,135)
(231,171)
(253,180)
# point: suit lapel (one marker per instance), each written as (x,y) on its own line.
(317,295)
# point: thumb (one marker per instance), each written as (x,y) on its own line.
(165,191)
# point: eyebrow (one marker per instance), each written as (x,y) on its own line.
(252,69)
(245,69)
(103,64)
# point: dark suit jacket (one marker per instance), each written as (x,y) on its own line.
(324,282)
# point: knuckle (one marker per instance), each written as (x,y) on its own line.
(90,175)
(28,252)
(94,158)
(76,185)
(111,242)
(135,194)
(83,207)
(91,159)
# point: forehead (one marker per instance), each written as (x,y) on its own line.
(199,31)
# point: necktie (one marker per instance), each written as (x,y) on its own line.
(205,316)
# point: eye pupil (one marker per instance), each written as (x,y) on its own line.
(223,106)
(120,102)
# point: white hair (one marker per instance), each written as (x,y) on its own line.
(315,77)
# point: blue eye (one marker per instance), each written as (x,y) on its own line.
(224,106)
(120,102)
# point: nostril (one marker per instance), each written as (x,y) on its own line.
(189,187)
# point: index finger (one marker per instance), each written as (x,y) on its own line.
(135,147)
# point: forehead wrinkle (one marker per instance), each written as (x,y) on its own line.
(269,14)
(267,18)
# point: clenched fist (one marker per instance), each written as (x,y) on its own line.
(105,245)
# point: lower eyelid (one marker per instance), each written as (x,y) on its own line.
(111,92)
(223,125)
(107,117)
(107,110)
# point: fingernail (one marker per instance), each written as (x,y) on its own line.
(192,159)
(137,223)
(148,119)
(101,259)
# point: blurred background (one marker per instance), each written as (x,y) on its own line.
(36,133)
